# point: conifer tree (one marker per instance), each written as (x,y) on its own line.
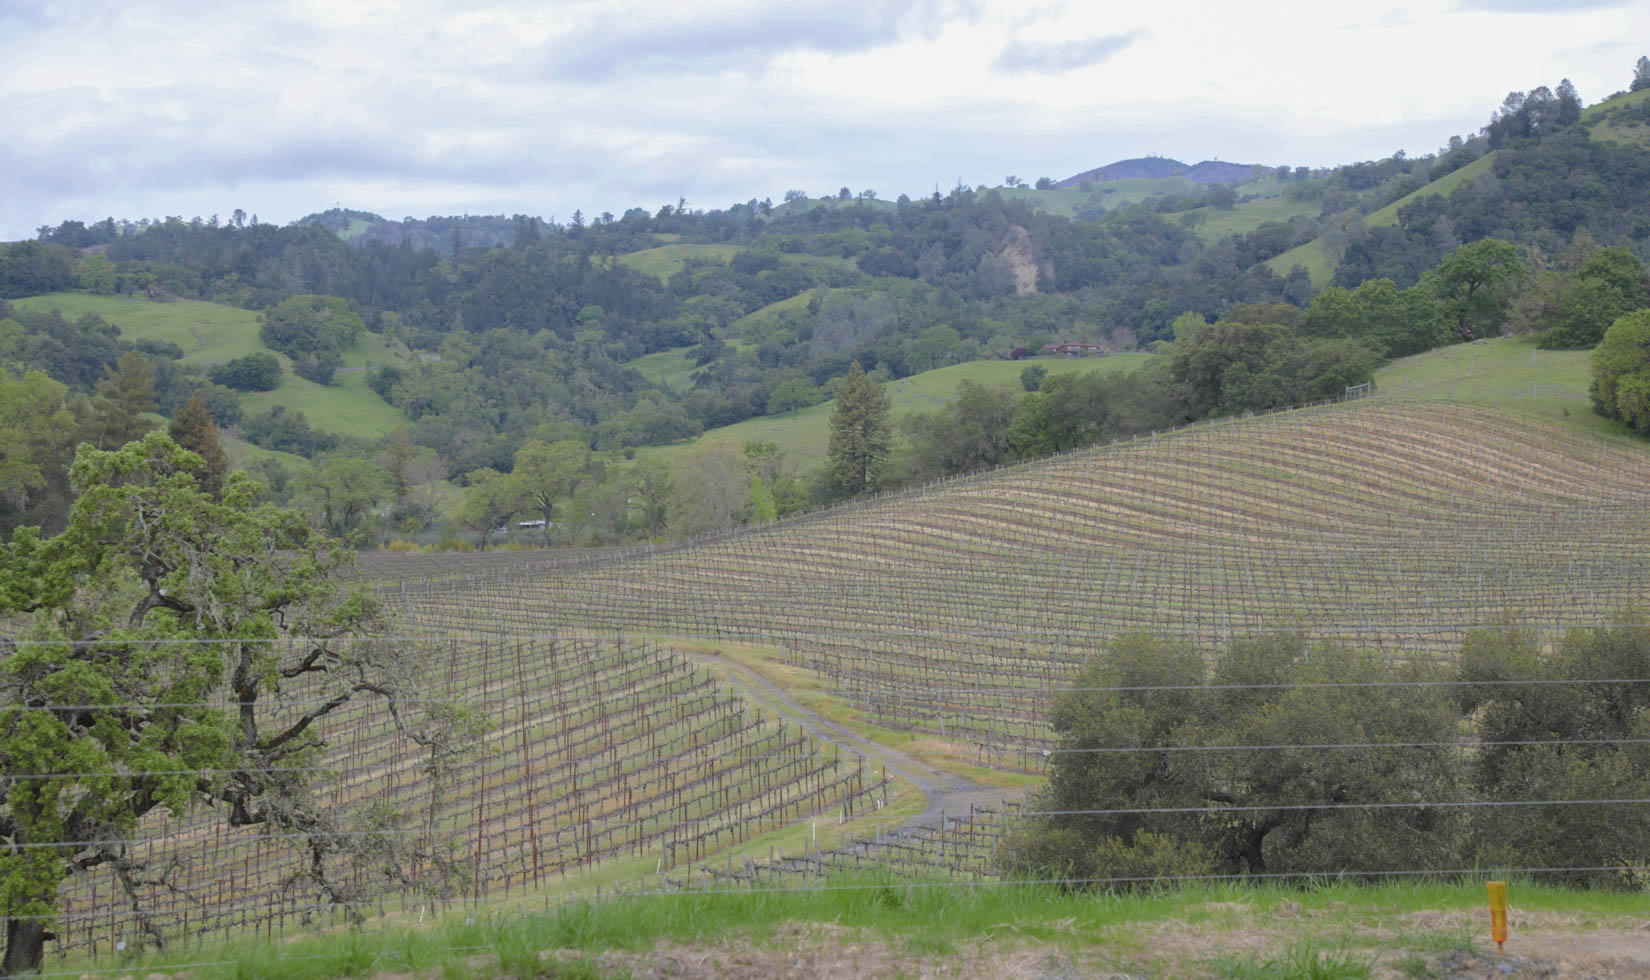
(860,434)
(193,429)
(123,396)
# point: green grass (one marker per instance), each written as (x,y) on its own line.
(1593,112)
(347,407)
(1601,127)
(355,229)
(667,260)
(1506,372)
(796,303)
(803,434)
(671,368)
(1240,219)
(1443,185)
(209,333)
(1309,254)
(241,453)
(1330,931)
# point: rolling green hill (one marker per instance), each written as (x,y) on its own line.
(667,260)
(211,333)
(1443,185)
(1610,120)
(1215,223)
(1508,373)
(1311,256)
(804,433)
(208,333)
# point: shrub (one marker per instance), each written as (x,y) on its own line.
(254,372)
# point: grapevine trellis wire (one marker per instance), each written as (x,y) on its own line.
(1398,526)
(593,749)
(959,610)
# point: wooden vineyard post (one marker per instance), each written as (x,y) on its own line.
(527,763)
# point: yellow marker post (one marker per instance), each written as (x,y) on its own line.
(1498,914)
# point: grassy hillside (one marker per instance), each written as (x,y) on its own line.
(1443,185)
(1608,120)
(804,433)
(210,333)
(797,303)
(1509,373)
(1215,223)
(666,368)
(667,260)
(1309,254)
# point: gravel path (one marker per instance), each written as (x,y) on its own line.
(947,793)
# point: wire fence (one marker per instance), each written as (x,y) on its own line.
(601,755)
(592,749)
(958,611)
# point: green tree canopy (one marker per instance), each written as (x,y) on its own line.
(490,499)
(34,418)
(94,618)
(341,491)
(545,473)
(1621,372)
(259,371)
(1475,284)
(860,434)
(193,429)
(124,395)
(311,324)
(1611,282)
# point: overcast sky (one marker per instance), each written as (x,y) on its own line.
(418,107)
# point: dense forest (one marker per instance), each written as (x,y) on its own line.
(514,332)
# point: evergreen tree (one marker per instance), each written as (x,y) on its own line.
(860,434)
(123,396)
(1641,75)
(193,429)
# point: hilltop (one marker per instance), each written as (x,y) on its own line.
(1159,168)
(639,334)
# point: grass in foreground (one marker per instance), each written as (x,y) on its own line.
(1233,930)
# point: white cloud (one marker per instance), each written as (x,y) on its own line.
(435,106)
(1059,57)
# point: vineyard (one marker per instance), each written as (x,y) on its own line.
(584,750)
(955,611)
(957,608)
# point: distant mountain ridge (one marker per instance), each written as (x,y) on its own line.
(1157,168)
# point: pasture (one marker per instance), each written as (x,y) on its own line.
(211,333)
(804,433)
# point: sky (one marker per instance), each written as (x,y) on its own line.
(139,109)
